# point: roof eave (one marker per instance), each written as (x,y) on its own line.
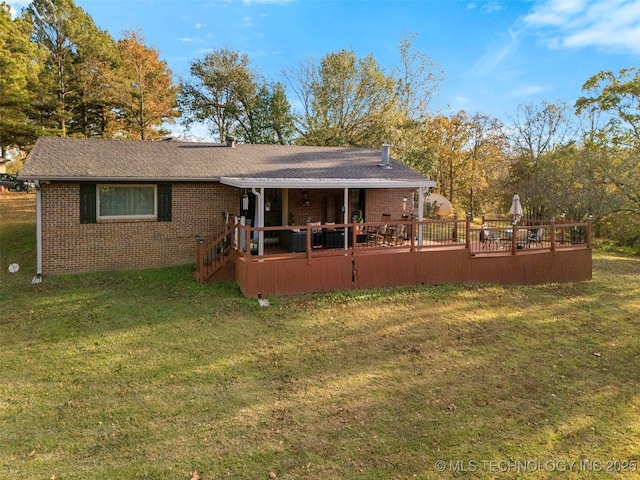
(49,178)
(314,183)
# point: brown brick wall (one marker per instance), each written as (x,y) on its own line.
(379,201)
(197,209)
(70,247)
(325,205)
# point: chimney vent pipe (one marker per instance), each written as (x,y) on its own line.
(384,162)
(231,141)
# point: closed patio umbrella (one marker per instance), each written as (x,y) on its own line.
(516,208)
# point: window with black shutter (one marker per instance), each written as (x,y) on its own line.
(88,203)
(125,202)
(164,202)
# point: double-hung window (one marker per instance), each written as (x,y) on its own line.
(127,202)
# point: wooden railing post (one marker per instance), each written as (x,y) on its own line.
(552,236)
(514,235)
(414,231)
(589,218)
(468,233)
(247,240)
(354,236)
(308,244)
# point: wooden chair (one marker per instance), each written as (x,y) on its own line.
(396,235)
(377,235)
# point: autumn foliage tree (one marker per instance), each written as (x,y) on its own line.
(88,85)
(148,96)
(613,145)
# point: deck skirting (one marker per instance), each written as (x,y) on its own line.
(296,275)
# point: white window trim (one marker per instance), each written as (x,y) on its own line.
(154,216)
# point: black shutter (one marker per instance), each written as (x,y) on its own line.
(88,203)
(164,202)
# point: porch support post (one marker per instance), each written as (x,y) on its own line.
(345,216)
(420,214)
(260,222)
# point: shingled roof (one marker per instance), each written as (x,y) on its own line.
(73,159)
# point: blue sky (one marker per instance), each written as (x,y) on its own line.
(495,54)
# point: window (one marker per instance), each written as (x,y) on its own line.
(127,201)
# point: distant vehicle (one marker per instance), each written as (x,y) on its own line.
(11,182)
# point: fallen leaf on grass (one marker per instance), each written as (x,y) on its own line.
(195,476)
(597,354)
(272,475)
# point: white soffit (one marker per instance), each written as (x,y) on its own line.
(244,182)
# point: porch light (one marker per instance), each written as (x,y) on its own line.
(404,203)
(245,201)
(267,206)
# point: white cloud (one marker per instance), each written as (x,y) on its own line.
(277,2)
(488,6)
(527,91)
(185,39)
(496,55)
(16,5)
(610,24)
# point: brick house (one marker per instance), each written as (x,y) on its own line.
(124,204)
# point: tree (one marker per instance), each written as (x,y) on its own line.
(96,86)
(535,133)
(416,79)
(19,67)
(273,118)
(228,95)
(617,97)
(346,101)
(446,141)
(149,96)
(61,29)
(487,162)
(614,143)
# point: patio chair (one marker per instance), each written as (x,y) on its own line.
(317,237)
(378,235)
(522,238)
(396,235)
(535,236)
(488,237)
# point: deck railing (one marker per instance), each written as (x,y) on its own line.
(494,237)
(212,252)
(499,237)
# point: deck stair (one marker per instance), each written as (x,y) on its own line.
(214,252)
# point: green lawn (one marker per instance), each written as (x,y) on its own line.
(148,374)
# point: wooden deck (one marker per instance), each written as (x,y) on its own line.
(461,257)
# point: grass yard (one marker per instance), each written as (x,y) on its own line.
(149,375)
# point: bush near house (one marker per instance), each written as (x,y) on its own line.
(147,374)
